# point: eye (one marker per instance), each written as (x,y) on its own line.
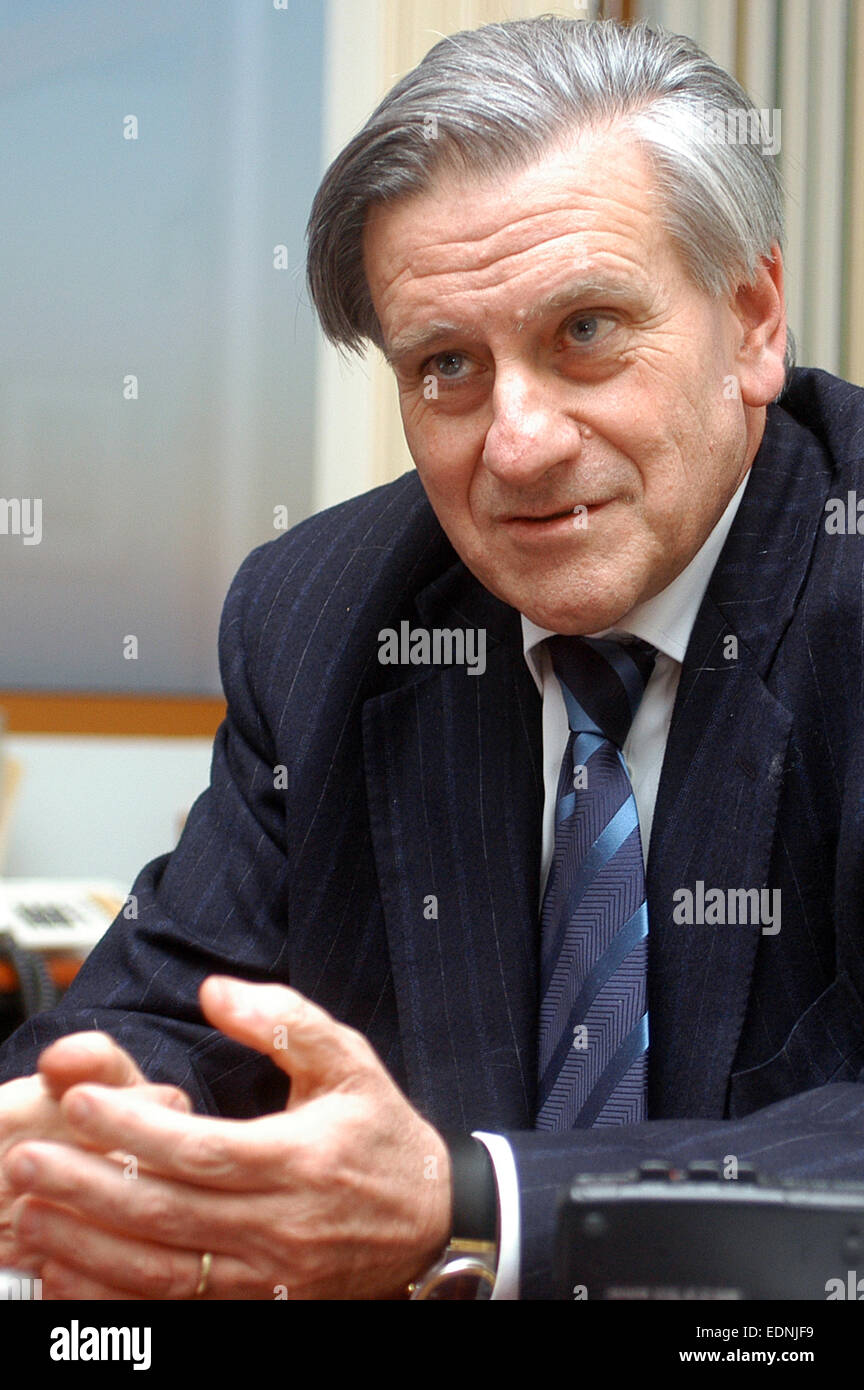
(447,364)
(588,329)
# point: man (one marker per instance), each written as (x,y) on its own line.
(580,292)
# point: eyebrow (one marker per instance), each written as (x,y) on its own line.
(575,290)
(404,344)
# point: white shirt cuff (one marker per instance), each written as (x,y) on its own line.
(509,1240)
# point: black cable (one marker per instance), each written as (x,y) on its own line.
(38,990)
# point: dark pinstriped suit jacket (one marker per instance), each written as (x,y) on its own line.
(405,782)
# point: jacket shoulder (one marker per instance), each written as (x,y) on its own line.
(329,584)
(831,408)
(389,528)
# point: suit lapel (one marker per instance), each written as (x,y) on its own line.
(454,784)
(722,774)
(714,826)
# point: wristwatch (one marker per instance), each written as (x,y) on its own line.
(466,1269)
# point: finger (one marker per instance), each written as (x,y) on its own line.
(170,1096)
(61,1283)
(227,1155)
(301,1038)
(87,1057)
(141,1208)
(150,1095)
(78,1251)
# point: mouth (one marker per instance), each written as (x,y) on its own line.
(573,518)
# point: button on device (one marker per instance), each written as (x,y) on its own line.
(747,1173)
(655,1170)
(594,1223)
(703,1170)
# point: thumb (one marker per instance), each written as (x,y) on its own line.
(91,1057)
(300,1037)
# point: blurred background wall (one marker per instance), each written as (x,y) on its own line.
(156,352)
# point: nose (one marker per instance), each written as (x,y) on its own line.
(530,430)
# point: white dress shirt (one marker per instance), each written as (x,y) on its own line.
(666,622)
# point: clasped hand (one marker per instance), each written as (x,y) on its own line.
(345,1194)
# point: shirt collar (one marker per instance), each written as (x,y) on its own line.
(666,620)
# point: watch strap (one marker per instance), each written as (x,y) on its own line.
(475,1191)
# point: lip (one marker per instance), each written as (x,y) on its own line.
(553,523)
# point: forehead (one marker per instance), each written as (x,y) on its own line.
(588,211)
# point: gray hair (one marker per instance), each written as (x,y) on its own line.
(491,101)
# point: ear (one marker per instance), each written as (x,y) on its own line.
(761,313)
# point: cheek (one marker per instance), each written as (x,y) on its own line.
(449,493)
(448,460)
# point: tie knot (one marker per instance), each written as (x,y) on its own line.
(603,681)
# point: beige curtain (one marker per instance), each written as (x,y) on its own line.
(853,343)
(806,59)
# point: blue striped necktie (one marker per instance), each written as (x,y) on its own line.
(593,1055)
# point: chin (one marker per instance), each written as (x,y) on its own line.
(570,626)
(558,602)
(572,614)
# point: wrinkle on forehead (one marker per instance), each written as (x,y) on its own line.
(454,237)
(609,288)
(563,212)
(615,264)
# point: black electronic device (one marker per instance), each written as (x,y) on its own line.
(668,1233)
